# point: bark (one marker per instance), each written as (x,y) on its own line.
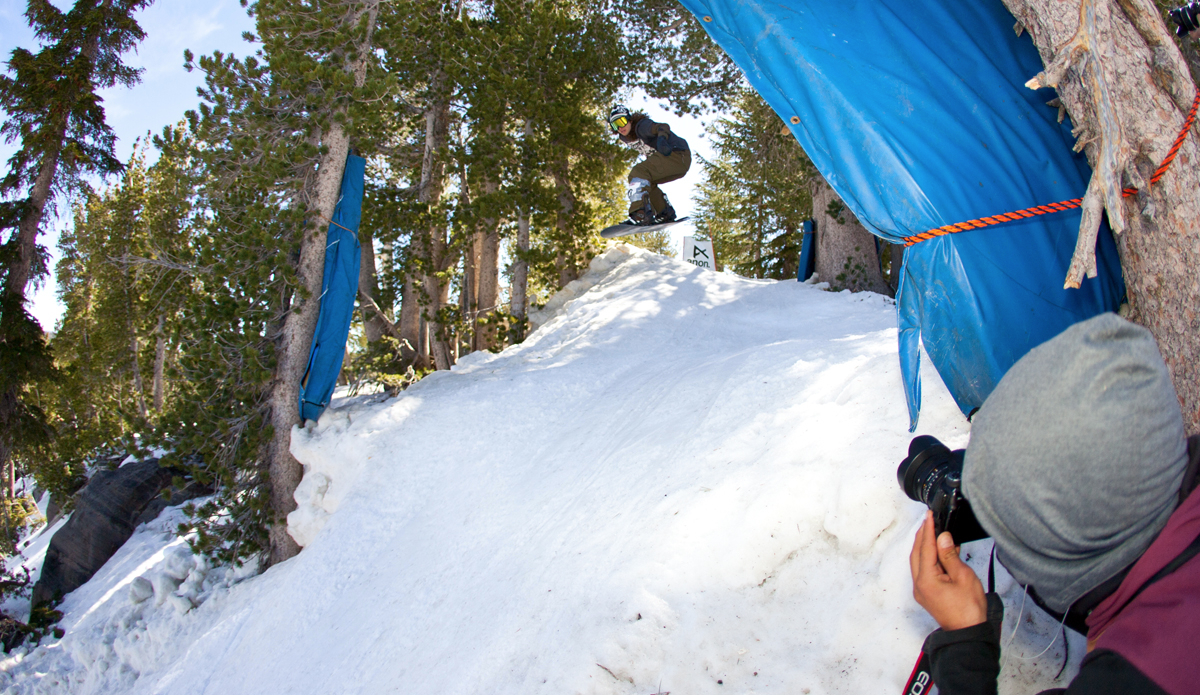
(295,338)
(5,450)
(410,324)
(1128,90)
(135,361)
(519,296)
(487,275)
(568,270)
(467,287)
(520,281)
(423,343)
(160,360)
(846,256)
(21,268)
(895,264)
(138,384)
(434,247)
(375,323)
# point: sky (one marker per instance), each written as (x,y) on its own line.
(167,91)
(683,481)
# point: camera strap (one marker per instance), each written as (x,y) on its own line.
(992,570)
(920,681)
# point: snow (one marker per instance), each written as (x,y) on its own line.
(683,481)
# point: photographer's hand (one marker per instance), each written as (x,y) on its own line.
(942,582)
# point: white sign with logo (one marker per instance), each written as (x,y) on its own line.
(699,252)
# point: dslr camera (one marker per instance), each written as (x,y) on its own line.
(932,474)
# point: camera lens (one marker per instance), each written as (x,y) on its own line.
(928,463)
(932,474)
(1186,18)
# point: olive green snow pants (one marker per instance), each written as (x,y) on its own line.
(659,169)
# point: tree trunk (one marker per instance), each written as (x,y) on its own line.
(1128,90)
(519,296)
(374,322)
(139,387)
(487,275)
(895,264)
(295,339)
(520,267)
(568,270)
(160,360)
(433,246)
(410,323)
(846,256)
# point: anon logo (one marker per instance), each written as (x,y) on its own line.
(698,253)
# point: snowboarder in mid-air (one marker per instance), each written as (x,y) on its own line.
(667,159)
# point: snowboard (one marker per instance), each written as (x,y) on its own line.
(624,229)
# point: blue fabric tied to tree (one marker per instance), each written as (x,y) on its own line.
(916,113)
(808,256)
(339,290)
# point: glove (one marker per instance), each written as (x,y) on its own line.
(663,146)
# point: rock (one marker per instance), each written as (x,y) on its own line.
(107,511)
(174,499)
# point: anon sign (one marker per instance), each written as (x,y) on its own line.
(699,252)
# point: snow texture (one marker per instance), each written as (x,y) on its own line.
(684,482)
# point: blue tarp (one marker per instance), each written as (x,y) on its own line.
(808,256)
(916,113)
(339,289)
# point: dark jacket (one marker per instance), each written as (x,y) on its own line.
(645,133)
(1142,638)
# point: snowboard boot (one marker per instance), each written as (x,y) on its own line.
(667,215)
(643,216)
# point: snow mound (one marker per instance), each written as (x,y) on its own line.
(682,481)
(597,269)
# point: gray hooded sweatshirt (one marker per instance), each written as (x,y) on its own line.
(1076,458)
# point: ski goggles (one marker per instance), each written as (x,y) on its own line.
(619,122)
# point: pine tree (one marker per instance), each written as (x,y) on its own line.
(273,132)
(53,109)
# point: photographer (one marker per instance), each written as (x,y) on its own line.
(1079,469)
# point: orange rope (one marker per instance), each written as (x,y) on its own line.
(1063,205)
